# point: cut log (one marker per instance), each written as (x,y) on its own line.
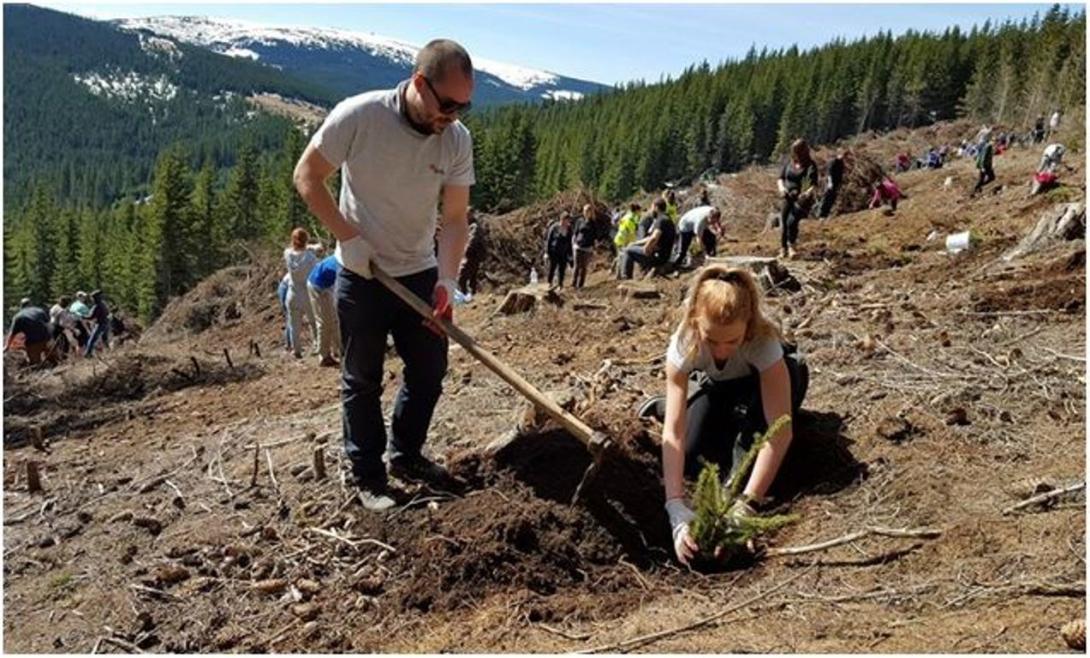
(638,290)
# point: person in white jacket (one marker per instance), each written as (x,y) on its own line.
(299,260)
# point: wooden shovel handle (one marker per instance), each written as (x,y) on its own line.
(595,441)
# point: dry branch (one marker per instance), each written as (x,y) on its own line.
(928,533)
(1048,495)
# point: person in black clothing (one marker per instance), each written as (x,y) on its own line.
(476,250)
(655,249)
(583,244)
(797,201)
(1039,129)
(100,313)
(833,182)
(33,323)
(558,245)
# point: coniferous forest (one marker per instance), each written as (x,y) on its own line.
(148,225)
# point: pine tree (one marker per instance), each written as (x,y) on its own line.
(240,202)
(66,278)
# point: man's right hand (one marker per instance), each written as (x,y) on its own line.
(355,254)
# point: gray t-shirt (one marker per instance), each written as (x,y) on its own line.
(391,176)
(696,220)
(760,353)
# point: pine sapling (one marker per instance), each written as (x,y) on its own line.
(713,528)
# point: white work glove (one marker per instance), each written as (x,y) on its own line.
(680,516)
(355,255)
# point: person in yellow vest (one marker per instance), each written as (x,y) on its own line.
(627,226)
(671,205)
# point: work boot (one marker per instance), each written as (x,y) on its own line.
(373,494)
(783,253)
(654,407)
(791,253)
(419,469)
(328,362)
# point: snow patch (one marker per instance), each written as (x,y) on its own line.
(234,36)
(562,95)
(240,52)
(157,47)
(130,86)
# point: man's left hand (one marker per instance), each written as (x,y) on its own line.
(442,305)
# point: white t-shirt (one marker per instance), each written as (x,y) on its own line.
(695,220)
(391,176)
(760,353)
(1054,121)
(299,263)
(1054,152)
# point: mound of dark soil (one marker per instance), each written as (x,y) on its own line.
(517,528)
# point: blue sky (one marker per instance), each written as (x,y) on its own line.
(602,42)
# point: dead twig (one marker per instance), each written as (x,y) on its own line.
(257,460)
(154,592)
(1048,495)
(928,533)
(128,646)
(352,541)
(562,633)
(272,471)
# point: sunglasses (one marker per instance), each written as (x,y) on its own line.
(446,105)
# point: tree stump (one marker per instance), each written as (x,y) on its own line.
(528,298)
(771,274)
(1065,221)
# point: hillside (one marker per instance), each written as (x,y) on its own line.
(89,107)
(944,390)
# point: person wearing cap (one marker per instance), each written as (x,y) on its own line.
(82,312)
(31,330)
(320,289)
(100,313)
(402,154)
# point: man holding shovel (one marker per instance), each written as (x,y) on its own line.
(399,152)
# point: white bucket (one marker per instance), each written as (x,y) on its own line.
(957,242)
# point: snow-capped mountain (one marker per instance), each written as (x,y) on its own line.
(351,62)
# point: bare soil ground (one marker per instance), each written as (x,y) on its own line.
(181,511)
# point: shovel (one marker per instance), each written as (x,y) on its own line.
(596,443)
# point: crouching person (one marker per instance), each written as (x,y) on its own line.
(729,375)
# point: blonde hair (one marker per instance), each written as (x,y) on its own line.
(299,238)
(723,295)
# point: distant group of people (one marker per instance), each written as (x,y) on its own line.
(659,240)
(68,328)
(568,243)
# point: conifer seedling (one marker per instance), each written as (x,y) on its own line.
(713,529)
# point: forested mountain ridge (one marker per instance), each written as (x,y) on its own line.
(749,110)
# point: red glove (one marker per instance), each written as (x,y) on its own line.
(442,305)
